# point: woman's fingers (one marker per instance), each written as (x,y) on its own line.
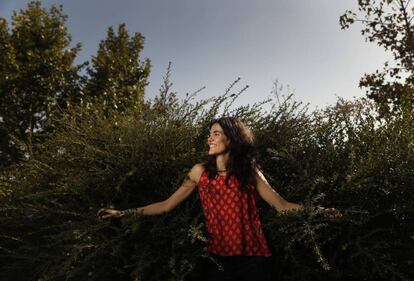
(99,213)
(331,213)
(106,213)
(102,212)
(106,216)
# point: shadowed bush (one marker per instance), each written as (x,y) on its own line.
(341,157)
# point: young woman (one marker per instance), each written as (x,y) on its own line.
(228,183)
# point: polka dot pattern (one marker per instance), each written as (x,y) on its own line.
(232,219)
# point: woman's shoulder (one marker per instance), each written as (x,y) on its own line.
(199,168)
(196,171)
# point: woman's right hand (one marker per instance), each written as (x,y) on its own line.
(106,213)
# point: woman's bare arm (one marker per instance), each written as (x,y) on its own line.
(280,204)
(186,188)
(272,197)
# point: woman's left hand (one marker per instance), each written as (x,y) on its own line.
(331,213)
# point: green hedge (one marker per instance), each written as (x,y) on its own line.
(342,156)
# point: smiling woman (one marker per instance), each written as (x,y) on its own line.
(228,183)
(217,140)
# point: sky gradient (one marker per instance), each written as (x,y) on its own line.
(211,43)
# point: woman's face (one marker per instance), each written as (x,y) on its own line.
(218,143)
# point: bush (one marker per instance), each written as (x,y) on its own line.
(343,156)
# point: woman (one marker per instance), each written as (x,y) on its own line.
(228,183)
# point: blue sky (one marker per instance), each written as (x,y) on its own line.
(211,43)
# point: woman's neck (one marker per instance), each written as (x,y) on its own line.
(221,161)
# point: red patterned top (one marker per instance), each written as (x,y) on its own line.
(234,226)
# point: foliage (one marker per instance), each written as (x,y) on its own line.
(117,76)
(37,75)
(389,24)
(357,156)
(340,157)
(363,167)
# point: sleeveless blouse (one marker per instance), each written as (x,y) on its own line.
(232,219)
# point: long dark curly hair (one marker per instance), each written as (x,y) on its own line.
(242,161)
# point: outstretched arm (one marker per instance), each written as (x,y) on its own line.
(186,188)
(272,197)
(280,204)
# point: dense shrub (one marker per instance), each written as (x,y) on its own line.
(343,156)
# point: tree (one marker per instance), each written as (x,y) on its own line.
(389,24)
(117,77)
(7,150)
(37,74)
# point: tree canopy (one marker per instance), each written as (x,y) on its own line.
(38,75)
(389,24)
(39,78)
(117,77)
